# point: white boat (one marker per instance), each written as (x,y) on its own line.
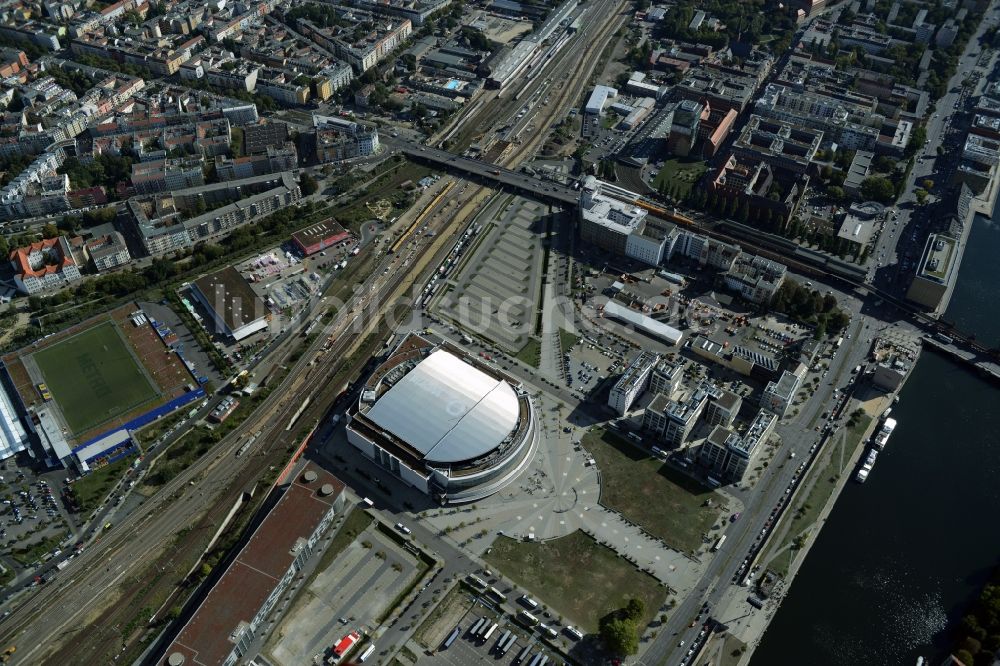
(867,466)
(882,436)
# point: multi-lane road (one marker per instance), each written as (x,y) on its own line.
(905,235)
(743,536)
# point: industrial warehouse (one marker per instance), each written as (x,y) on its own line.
(444,422)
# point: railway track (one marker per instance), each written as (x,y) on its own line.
(569,90)
(503,104)
(82,593)
(82,590)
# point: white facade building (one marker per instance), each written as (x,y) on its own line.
(633,382)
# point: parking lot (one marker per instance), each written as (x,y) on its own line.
(351,594)
(587,364)
(498,290)
(468,649)
(35,519)
(286,279)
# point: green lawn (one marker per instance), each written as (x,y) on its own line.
(664,502)
(805,511)
(355,523)
(385,186)
(91,489)
(531,353)
(680,173)
(577,577)
(94,377)
(567,339)
(26,554)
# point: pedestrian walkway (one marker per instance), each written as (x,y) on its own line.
(676,570)
(557,495)
(551,361)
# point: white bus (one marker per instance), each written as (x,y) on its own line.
(718,544)
(505,648)
(475,581)
(528,602)
(526,618)
(367,653)
(574,633)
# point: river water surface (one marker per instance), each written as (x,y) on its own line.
(902,555)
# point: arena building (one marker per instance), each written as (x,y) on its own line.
(444,422)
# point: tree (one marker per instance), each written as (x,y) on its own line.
(837,321)
(743,212)
(236,142)
(917,139)
(50,231)
(635,609)
(964,657)
(308,184)
(620,636)
(878,188)
(928,184)
(972,645)
(884,163)
(835,192)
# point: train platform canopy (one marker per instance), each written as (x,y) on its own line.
(448,410)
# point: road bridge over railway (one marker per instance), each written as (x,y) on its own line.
(542,190)
(974,353)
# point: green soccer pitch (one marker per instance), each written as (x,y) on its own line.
(94,377)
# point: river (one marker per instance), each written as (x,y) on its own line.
(901,556)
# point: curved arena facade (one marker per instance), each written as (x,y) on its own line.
(444,422)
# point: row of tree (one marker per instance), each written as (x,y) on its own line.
(107,170)
(811,308)
(979,632)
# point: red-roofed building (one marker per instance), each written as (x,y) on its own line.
(47,264)
(715,130)
(320,236)
(88,196)
(225,624)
